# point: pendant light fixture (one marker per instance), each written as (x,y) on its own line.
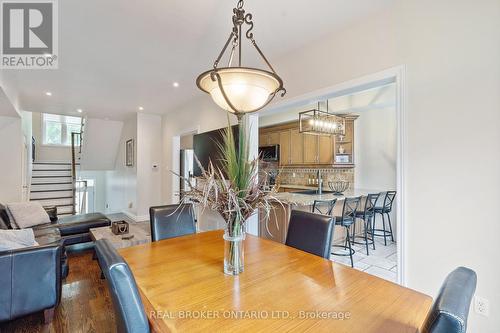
(240,89)
(320,122)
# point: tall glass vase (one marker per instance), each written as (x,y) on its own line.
(233,248)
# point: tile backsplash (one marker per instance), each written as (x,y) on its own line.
(302,176)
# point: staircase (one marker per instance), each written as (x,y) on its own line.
(52,185)
(57,183)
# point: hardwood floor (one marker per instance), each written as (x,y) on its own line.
(85,303)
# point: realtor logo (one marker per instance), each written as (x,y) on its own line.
(29,34)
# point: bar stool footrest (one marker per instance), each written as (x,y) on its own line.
(362,242)
(380,233)
(349,253)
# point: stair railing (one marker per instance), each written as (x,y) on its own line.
(81,192)
(82,195)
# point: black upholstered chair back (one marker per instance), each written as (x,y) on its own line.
(129,310)
(310,232)
(324,207)
(171,221)
(450,309)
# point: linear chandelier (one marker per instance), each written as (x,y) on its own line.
(239,89)
(320,122)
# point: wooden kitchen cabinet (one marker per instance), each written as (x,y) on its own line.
(310,149)
(263,139)
(274,138)
(325,151)
(284,142)
(296,147)
(269,139)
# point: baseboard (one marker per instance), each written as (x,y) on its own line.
(136,218)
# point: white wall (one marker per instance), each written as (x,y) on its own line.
(101,143)
(376,149)
(11,145)
(149,149)
(134,189)
(100,187)
(121,183)
(452,51)
(200,115)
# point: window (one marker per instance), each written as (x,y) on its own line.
(57,129)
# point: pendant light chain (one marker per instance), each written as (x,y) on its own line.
(226,84)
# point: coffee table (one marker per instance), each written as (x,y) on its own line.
(141,236)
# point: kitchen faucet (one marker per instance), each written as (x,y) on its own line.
(320,182)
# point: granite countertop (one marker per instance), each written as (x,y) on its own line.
(308,199)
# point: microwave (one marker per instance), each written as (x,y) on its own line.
(269,153)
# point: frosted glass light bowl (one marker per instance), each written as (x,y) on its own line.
(248,89)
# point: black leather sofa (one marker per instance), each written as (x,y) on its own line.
(31,281)
(30,278)
(72,229)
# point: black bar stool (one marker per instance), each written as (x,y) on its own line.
(324,207)
(346,220)
(386,208)
(366,214)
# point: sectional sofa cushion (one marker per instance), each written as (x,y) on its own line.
(16,239)
(28,214)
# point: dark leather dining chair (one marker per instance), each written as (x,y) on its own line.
(129,310)
(310,232)
(450,309)
(171,221)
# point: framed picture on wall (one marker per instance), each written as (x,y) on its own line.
(129,153)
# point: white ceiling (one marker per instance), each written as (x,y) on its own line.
(116,55)
(380,97)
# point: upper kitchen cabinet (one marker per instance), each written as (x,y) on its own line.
(299,149)
(310,147)
(284,142)
(269,139)
(325,149)
(296,147)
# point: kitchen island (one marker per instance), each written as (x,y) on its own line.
(275,227)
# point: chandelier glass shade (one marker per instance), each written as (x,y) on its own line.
(320,122)
(247,89)
(239,89)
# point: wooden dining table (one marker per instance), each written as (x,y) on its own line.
(282,289)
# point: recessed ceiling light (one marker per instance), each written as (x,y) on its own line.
(175,84)
(141,108)
(79,110)
(48,93)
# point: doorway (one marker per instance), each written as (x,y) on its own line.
(379,158)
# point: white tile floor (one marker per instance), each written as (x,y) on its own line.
(381,262)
